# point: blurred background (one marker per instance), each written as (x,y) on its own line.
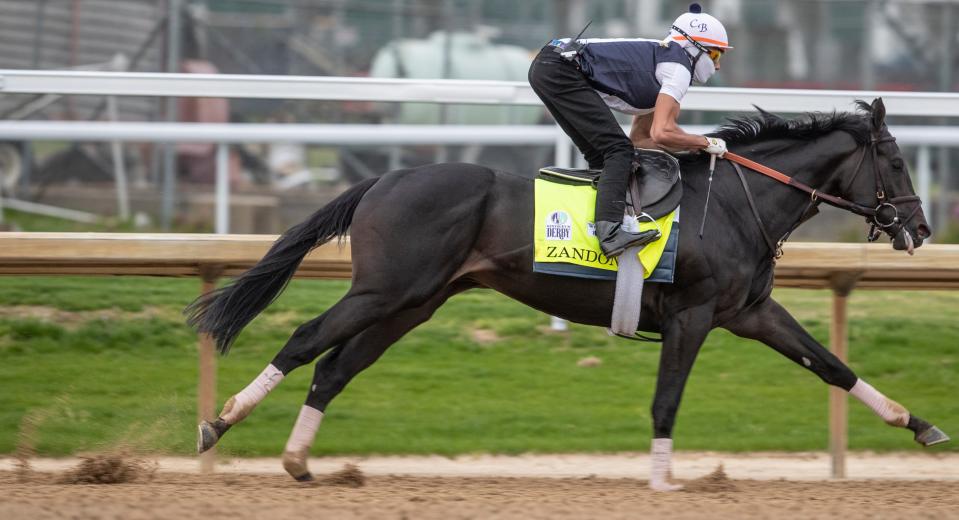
(901,45)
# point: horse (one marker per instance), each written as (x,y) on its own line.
(422,235)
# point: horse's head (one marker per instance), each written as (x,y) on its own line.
(881,182)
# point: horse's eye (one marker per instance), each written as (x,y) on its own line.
(896,163)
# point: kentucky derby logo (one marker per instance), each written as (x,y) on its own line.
(559,226)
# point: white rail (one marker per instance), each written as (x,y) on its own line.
(294,133)
(354,134)
(409,90)
(715,99)
(922,136)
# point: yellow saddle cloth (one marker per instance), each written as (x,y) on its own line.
(564,233)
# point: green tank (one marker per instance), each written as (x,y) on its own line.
(470,56)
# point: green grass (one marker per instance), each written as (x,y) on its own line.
(22,221)
(104,361)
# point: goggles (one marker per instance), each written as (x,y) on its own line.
(714,54)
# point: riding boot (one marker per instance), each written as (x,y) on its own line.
(613,239)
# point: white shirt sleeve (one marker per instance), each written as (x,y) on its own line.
(674,79)
(617,104)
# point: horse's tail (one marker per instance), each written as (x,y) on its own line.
(224,312)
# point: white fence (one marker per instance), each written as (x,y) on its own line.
(405,90)
(714,99)
(223,134)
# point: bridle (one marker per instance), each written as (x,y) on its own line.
(884,217)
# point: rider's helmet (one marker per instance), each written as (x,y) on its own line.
(701,27)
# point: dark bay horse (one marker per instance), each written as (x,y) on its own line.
(421,235)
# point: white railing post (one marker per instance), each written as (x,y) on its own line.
(396,158)
(222,188)
(119,167)
(563,158)
(923,169)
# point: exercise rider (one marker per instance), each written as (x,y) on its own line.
(578,79)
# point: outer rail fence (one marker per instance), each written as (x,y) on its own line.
(714,99)
(839,267)
(365,134)
(443,91)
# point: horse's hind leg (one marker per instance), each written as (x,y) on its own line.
(770,323)
(356,311)
(403,255)
(335,370)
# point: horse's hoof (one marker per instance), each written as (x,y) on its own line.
(294,462)
(931,436)
(306,477)
(206,436)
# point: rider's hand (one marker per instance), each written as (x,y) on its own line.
(715,146)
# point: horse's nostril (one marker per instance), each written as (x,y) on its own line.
(923,231)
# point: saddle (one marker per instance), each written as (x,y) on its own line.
(653,189)
(654,181)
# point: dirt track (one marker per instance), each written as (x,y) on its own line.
(239,496)
(484,486)
(687,465)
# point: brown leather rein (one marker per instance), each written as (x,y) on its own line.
(885,216)
(814,194)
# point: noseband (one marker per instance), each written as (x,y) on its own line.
(884,217)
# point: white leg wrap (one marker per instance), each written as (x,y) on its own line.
(661,455)
(890,411)
(304,431)
(249,397)
(298,447)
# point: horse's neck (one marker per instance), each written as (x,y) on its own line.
(782,206)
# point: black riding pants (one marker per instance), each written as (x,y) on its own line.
(583,115)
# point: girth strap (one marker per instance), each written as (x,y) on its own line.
(776,250)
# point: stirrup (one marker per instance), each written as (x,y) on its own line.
(623,240)
(649,218)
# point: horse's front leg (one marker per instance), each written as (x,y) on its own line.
(683,335)
(771,324)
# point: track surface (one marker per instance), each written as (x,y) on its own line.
(240,496)
(929,465)
(553,487)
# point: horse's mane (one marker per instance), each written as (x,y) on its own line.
(811,125)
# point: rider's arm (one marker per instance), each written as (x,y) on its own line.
(666,133)
(639,132)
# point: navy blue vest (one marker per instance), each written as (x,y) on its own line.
(627,68)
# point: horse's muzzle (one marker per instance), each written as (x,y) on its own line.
(905,240)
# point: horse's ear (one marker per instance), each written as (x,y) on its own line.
(759,109)
(878,113)
(767,116)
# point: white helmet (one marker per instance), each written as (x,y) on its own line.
(701,27)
